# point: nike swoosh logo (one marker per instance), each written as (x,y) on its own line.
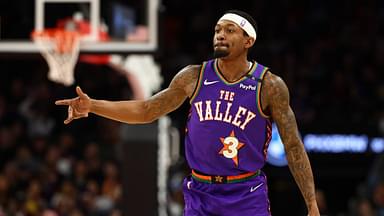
(255,187)
(206,82)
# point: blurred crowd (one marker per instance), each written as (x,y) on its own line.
(369,198)
(47,168)
(330,53)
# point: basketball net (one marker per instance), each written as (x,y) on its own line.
(60,48)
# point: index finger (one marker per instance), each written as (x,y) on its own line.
(64,102)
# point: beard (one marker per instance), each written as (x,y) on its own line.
(220,53)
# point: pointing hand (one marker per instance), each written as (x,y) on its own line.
(78,107)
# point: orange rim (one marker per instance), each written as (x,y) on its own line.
(65,40)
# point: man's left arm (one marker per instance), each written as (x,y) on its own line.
(276,96)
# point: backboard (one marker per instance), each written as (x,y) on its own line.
(129,26)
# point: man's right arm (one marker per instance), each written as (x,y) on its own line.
(136,111)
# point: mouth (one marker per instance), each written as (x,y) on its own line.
(221,45)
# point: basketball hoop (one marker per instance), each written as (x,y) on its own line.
(60,48)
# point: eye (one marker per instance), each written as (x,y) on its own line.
(230,30)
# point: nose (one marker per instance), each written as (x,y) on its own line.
(220,35)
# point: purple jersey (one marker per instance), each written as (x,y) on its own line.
(227,132)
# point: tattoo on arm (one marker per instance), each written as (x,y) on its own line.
(172,97)
(277,96)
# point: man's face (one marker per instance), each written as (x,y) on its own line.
(229,39)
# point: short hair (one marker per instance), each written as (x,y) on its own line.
(246,16)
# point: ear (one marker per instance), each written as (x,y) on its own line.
(249,42)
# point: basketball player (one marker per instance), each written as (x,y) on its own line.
(233,102)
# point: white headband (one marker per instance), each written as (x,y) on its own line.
(241,22)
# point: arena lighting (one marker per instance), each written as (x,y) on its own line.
(325,143)
(377,145)
(336,143)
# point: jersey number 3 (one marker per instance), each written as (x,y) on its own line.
(232,143)
(231,147)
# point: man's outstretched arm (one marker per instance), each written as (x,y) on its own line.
(135,111)
(277,97)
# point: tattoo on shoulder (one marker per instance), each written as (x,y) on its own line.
(187,78)
(172,97)
(275,92)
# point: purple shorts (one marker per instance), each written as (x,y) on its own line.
(248,198)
